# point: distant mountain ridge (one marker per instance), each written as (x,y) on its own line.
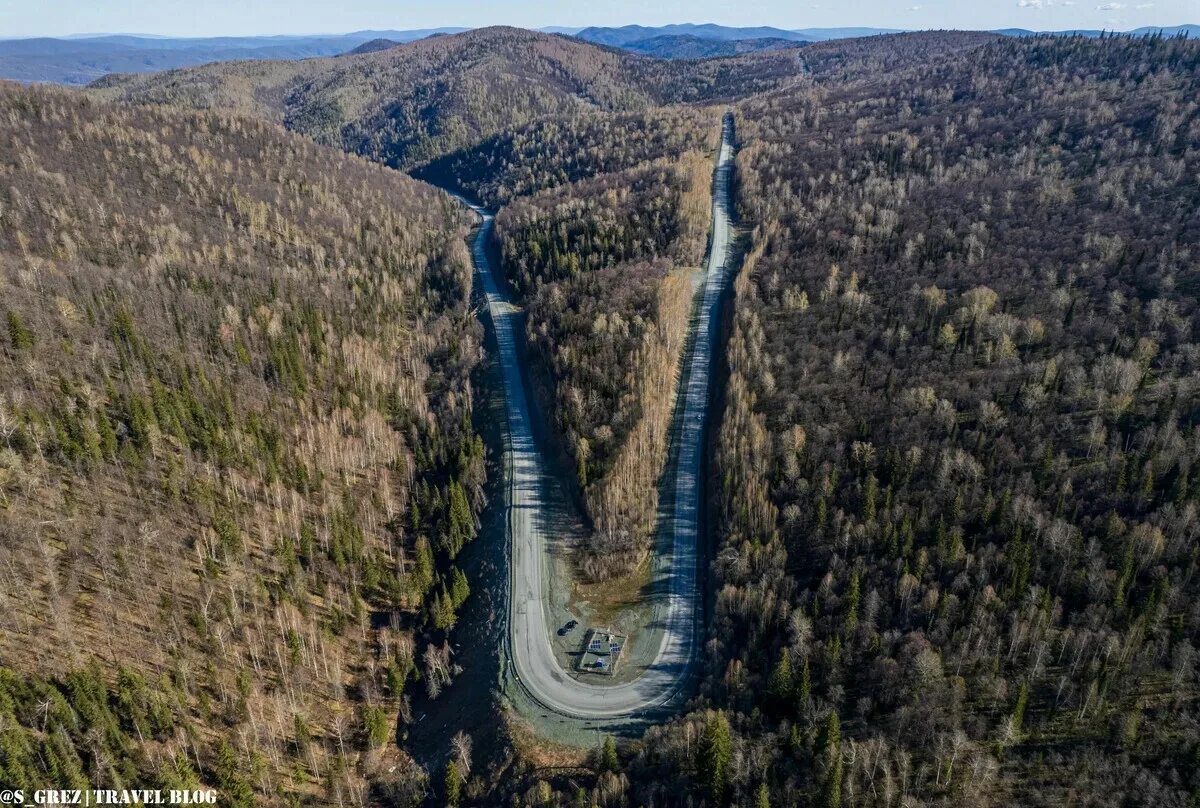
(374,46)
(628,34)
(408,104)
(686,46)
(82,60)
(1191,31)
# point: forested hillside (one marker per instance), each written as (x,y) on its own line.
(654,209)
(235,424)
(869,59)
(602,218)
(503,114)
(954,498)
(413,103)
(957,478)
(556,151)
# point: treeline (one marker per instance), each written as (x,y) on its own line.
(864,60)
(957,470)
(235,425)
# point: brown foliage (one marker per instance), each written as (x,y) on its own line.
(240,359)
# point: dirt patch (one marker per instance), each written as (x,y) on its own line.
(606,602)
(533,748)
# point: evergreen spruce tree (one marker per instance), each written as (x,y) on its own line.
(609,761)
(782,681)
(716,749)
(453,784)
(18,334)
(831,749)
(459,589)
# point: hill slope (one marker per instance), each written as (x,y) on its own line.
(374,46)
(232,426)
(958,463)
(604,219)
(409,104)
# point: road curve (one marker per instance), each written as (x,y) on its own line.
(679,614)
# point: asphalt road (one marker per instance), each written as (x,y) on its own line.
(678,616)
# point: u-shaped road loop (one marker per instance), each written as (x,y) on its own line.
(665,684)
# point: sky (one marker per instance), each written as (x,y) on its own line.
(22,18)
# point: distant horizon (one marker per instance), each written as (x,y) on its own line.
(433,29)
(178,19)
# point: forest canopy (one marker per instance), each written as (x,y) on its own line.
(954,490)
(957,468)
(236,419)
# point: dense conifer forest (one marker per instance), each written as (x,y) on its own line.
(555,151)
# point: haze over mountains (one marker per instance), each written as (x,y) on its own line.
(81,59)
(626,34)
(1191,31)
(685,46)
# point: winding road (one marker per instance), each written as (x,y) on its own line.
(678,614)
